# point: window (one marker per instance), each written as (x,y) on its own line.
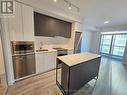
(113,45)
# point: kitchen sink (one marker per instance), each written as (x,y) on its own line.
(41,50)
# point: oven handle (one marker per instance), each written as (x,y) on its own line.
(22,54)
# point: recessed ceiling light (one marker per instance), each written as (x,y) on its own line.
(69,8)
(55,0)
(106,22)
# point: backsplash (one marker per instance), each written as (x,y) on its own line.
(50,42)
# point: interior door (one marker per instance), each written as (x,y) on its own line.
(78,39)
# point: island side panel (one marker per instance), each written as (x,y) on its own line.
(65,77)
(82,73)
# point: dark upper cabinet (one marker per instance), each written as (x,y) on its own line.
(42,26)
(48,26)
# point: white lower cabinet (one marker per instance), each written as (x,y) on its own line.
(40,62)
(45,61)
(50,60)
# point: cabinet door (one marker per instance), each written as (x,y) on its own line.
(15,24)
(50,60)
(40,63)
(50,26)
(44,25)
(28,23)
(64,29)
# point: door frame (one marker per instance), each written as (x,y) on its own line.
(78,42)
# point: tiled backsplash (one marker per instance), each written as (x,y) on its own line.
(50,42)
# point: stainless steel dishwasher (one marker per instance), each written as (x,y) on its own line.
(23,65)
(23,59)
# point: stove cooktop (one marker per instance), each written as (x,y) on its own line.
(61,51)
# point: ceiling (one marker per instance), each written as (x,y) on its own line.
(96,12)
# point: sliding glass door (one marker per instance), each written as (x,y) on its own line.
(119,45)
(113,45)
(105,44)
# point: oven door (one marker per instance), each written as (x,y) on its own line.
(22,47)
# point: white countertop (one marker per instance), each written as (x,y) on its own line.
(75,59)
(50,50)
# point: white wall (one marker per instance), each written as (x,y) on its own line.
(90,41)
(95,42)
(86,40)
(91,38)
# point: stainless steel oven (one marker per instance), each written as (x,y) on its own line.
(23,59)
(20,47)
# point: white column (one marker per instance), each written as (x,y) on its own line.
(6,50)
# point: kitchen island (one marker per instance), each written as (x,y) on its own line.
(76,70)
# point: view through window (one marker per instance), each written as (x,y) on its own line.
(113,45)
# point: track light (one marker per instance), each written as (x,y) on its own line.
(71,5)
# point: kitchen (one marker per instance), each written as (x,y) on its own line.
(48,48)
(32,52)
(38,47)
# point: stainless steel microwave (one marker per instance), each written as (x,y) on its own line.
(20,47)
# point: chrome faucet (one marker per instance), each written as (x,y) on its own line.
(41,45)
